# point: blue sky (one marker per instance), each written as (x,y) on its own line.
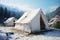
(45,5)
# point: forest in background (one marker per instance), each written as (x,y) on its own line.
(6,12)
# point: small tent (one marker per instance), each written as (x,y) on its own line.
(32,21)
(10,21)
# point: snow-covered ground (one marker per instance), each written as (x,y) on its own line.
(50,35)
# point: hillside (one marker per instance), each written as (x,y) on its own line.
(53,13)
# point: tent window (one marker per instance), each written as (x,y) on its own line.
(42,25)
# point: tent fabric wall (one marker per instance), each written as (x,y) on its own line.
(45,21)
(23,27)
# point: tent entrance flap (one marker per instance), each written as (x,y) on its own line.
(42,24)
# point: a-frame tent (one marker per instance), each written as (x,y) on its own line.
(10,21)
(32,21)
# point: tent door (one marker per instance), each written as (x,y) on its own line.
(42,25)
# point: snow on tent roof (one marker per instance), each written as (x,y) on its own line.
(28,16)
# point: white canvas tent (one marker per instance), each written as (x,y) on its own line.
(32,21)
(10,21)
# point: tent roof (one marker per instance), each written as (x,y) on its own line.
(28,16)
(9,19)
